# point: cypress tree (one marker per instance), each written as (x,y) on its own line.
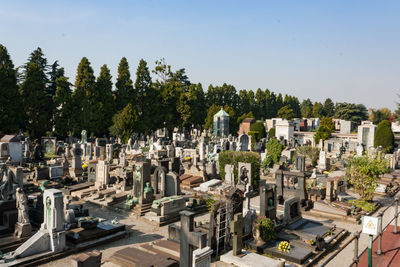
(124,89)
(11,117)
(64,107)
(84,91)
(384,136)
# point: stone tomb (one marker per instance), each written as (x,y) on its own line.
(290,184)
(166,210)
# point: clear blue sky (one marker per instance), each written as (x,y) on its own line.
(346,50)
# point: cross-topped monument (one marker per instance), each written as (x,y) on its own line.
(189,240)
(237,233)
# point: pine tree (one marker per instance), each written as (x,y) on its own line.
(146,96)
(11,117)
(64,107)
(329,108)
(124,90)
(84,91)
(102,104)
(125,123)
(35,100)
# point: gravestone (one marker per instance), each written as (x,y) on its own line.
(322,161)
(109,152)
(56,172)
(292,211)
(268,201)
(172,184)
(159,181)
(188,239)
(92,172)
(51,236)
(244,142)
(244,174)
(102,174)
(300,163)
(236,227)
(290,184)
(229,175)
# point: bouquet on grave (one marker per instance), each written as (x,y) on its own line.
(284,246)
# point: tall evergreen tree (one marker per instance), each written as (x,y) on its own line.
(306,108)
(84,90)
(146,102)
(124,89)
(329,108)
(64,107)
(102,104)
(11,117)
(35,100)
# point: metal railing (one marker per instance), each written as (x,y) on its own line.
(356,236)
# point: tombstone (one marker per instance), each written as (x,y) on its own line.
(51,236)
(102,174)
(56,172)
(244,142)
(268,200)
(236,227)
(300,163)
(290,184)
(175,165)
(244,173)
(188,239)
(83,137)
(141,176)
(292,211)
(92,172)
(122,158)
(159,181)
(322,160)
(172,184)
(229,175)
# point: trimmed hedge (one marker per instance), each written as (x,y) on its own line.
(384,136)
(234,157)
(258,127)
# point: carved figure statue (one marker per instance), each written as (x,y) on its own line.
(22,206)
(7,179)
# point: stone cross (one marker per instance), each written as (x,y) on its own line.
(189,240)
(237,232)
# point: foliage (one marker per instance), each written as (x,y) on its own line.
(271,133)
(318,110)
(259,128)
(234,157)
(209,203)
(325,129)
(351,112)
(310,152)
(286,113)
(329,108)
(266,227)
(365,205)
(244,116)
(11,117)
(124,89)
(124,123)
(384,136)
(363,174)
(306,108)
(274,150)
(378,115)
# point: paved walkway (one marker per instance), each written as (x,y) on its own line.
(390,250)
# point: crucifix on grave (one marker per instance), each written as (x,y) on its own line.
(189,240)
(237,226)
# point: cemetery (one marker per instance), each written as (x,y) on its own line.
(216,203)
(152,168)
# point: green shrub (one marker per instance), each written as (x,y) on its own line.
(274,149)
(325,129)
(271,133)
(266,227)
(234,157)
(365,205)
(258,127)
(384,136)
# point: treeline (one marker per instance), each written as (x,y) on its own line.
(38,99)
